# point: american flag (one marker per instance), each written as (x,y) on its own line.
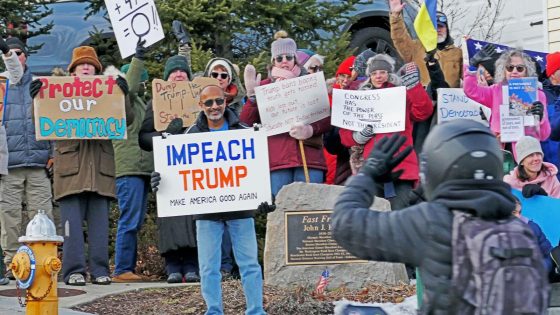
(323,282)
(473,46)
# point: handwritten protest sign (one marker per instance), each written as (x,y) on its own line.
(177,99)
(132,20)
(511,128)
(299,100)
(212,172)
(90,107)
(3,97)
(454,104)
(544,211)
(384,109)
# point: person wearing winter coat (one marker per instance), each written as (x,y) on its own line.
(533,176)
(421,235)
(419,107)
(551,88)
(222,70)
(286,164)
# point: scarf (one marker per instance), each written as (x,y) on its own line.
(279,73)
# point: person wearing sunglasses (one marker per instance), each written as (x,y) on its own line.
(223,70)
(286,164)
(448,55)
(314,64)
(512,63)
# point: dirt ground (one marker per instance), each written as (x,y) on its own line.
(188,300)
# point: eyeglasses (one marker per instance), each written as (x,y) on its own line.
(519,68)
(218,101)
(279,58)
(315,68)
(222,75)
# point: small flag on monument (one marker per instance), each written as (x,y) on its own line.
(323,282)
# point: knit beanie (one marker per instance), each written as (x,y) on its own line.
(223,63)
(526,146)
(283,45)
(360,63)
(16,43)
(380,62)
(552,63)
(143,76)
(84,54)
(344,67)
(176,63)
(315,60)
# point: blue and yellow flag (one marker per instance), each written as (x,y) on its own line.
(425,24)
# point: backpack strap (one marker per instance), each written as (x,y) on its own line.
(503,254)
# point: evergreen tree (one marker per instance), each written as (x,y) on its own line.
(20,18)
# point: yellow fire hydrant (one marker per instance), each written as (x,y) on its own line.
(36,266)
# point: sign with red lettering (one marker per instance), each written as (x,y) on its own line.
(88,107)
(3,97)
(211,172)
(172,99)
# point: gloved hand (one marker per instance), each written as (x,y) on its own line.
(175,126)
(301,132)
(35,87)
(4,47)
(537,110)
(382,159)
(483,115)
(486,53)
(430,57)
(123,85)
(361,137)
(154,181)
(140,49)
(410,75)
(252,79)
(531,190)
(265,208)
(180,33)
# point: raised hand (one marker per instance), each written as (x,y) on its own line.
(252,79)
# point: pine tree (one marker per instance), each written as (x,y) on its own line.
(20,18)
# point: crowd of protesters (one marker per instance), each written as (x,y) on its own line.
(88,174)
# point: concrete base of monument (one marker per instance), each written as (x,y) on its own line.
(299,245)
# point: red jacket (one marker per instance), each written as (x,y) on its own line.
(283,150)
(418,108)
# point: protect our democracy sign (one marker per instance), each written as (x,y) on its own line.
(90,107)
(132,20)
(299,100)
(454,104)
(212,172)
(384,109)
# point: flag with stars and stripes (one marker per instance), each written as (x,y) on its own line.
(473,46)
(323,282)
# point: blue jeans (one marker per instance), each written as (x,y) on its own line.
(286,176)
(244,241)
(132,192)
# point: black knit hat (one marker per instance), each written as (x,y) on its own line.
(16,43)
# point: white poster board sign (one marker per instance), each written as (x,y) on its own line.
(299,100)
(454,104)
(132,20)
(212,172)
(384,109)
(511,127)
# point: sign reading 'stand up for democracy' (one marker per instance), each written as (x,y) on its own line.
(299,100)
(384,109)
(173,99)
(90,107)
(212,172)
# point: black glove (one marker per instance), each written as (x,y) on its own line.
(265,208)
(140,49)
(430,57)
(382,159)
(531,190)
(180,33)
(35,87)
(175,126)
(483,115)
(121,82)
(537,110)
(154,181)
(484,54)
(3,46)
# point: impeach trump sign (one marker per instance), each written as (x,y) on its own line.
(212,172)
(89,107)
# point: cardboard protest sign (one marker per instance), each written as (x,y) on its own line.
(212,172)
(3,97)
(172,99)
(454,104)
(544,211)
(132,20)
(299,100)
(384,109)
(89,107)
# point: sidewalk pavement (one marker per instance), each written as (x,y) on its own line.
(10,305)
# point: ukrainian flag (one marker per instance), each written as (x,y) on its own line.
(425,24)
